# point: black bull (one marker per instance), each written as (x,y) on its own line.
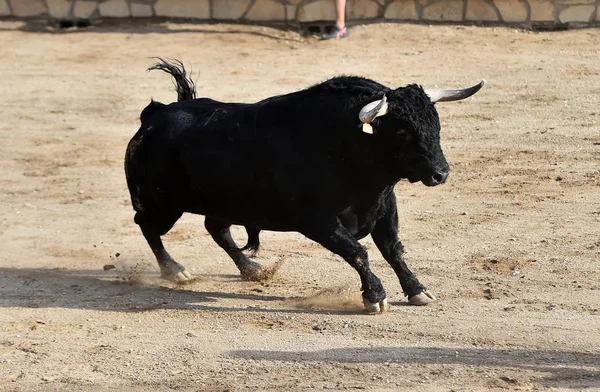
(322,162)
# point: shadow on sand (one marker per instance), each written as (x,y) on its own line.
(124,292)
(279,32)
(566,369)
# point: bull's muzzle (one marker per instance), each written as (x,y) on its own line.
(437,178)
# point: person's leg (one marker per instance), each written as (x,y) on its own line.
(339,30)
(340,14)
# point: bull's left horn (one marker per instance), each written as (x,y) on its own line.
(452,95)
(372,110)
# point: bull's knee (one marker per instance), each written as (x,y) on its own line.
(139,218)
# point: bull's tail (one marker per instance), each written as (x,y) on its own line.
(186,88)
(253,241)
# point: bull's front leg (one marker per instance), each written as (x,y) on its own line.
(385,236)
(334,237)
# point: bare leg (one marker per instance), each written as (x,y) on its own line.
(219,231)
(340,30)
(340,13)
(153,226)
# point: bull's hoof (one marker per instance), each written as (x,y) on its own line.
(422,298)
(175,273)
(179,277)
(377,307)
(253,272)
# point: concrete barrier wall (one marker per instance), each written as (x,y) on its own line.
(294,12)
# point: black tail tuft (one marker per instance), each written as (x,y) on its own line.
(186,88)
(253,241)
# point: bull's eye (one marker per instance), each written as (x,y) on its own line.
(405,134)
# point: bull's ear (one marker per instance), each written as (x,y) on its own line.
(373,110)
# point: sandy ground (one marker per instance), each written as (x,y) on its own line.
(510,245)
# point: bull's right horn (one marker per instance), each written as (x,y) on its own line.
(372,110)
(452,95)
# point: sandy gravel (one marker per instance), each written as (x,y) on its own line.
(510,245)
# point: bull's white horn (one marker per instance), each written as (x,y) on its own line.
(372,110)
(452,95)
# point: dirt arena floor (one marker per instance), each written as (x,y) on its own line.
(510,245)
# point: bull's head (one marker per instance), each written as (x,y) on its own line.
(408,125)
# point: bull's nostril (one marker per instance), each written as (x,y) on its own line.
(439,177)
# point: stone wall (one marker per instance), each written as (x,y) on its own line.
(295,12)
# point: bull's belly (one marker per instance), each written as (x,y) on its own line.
(263,216)
(275,217)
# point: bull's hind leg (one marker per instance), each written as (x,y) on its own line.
(219,231)
(153,226)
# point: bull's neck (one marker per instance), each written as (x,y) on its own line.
(368,164)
